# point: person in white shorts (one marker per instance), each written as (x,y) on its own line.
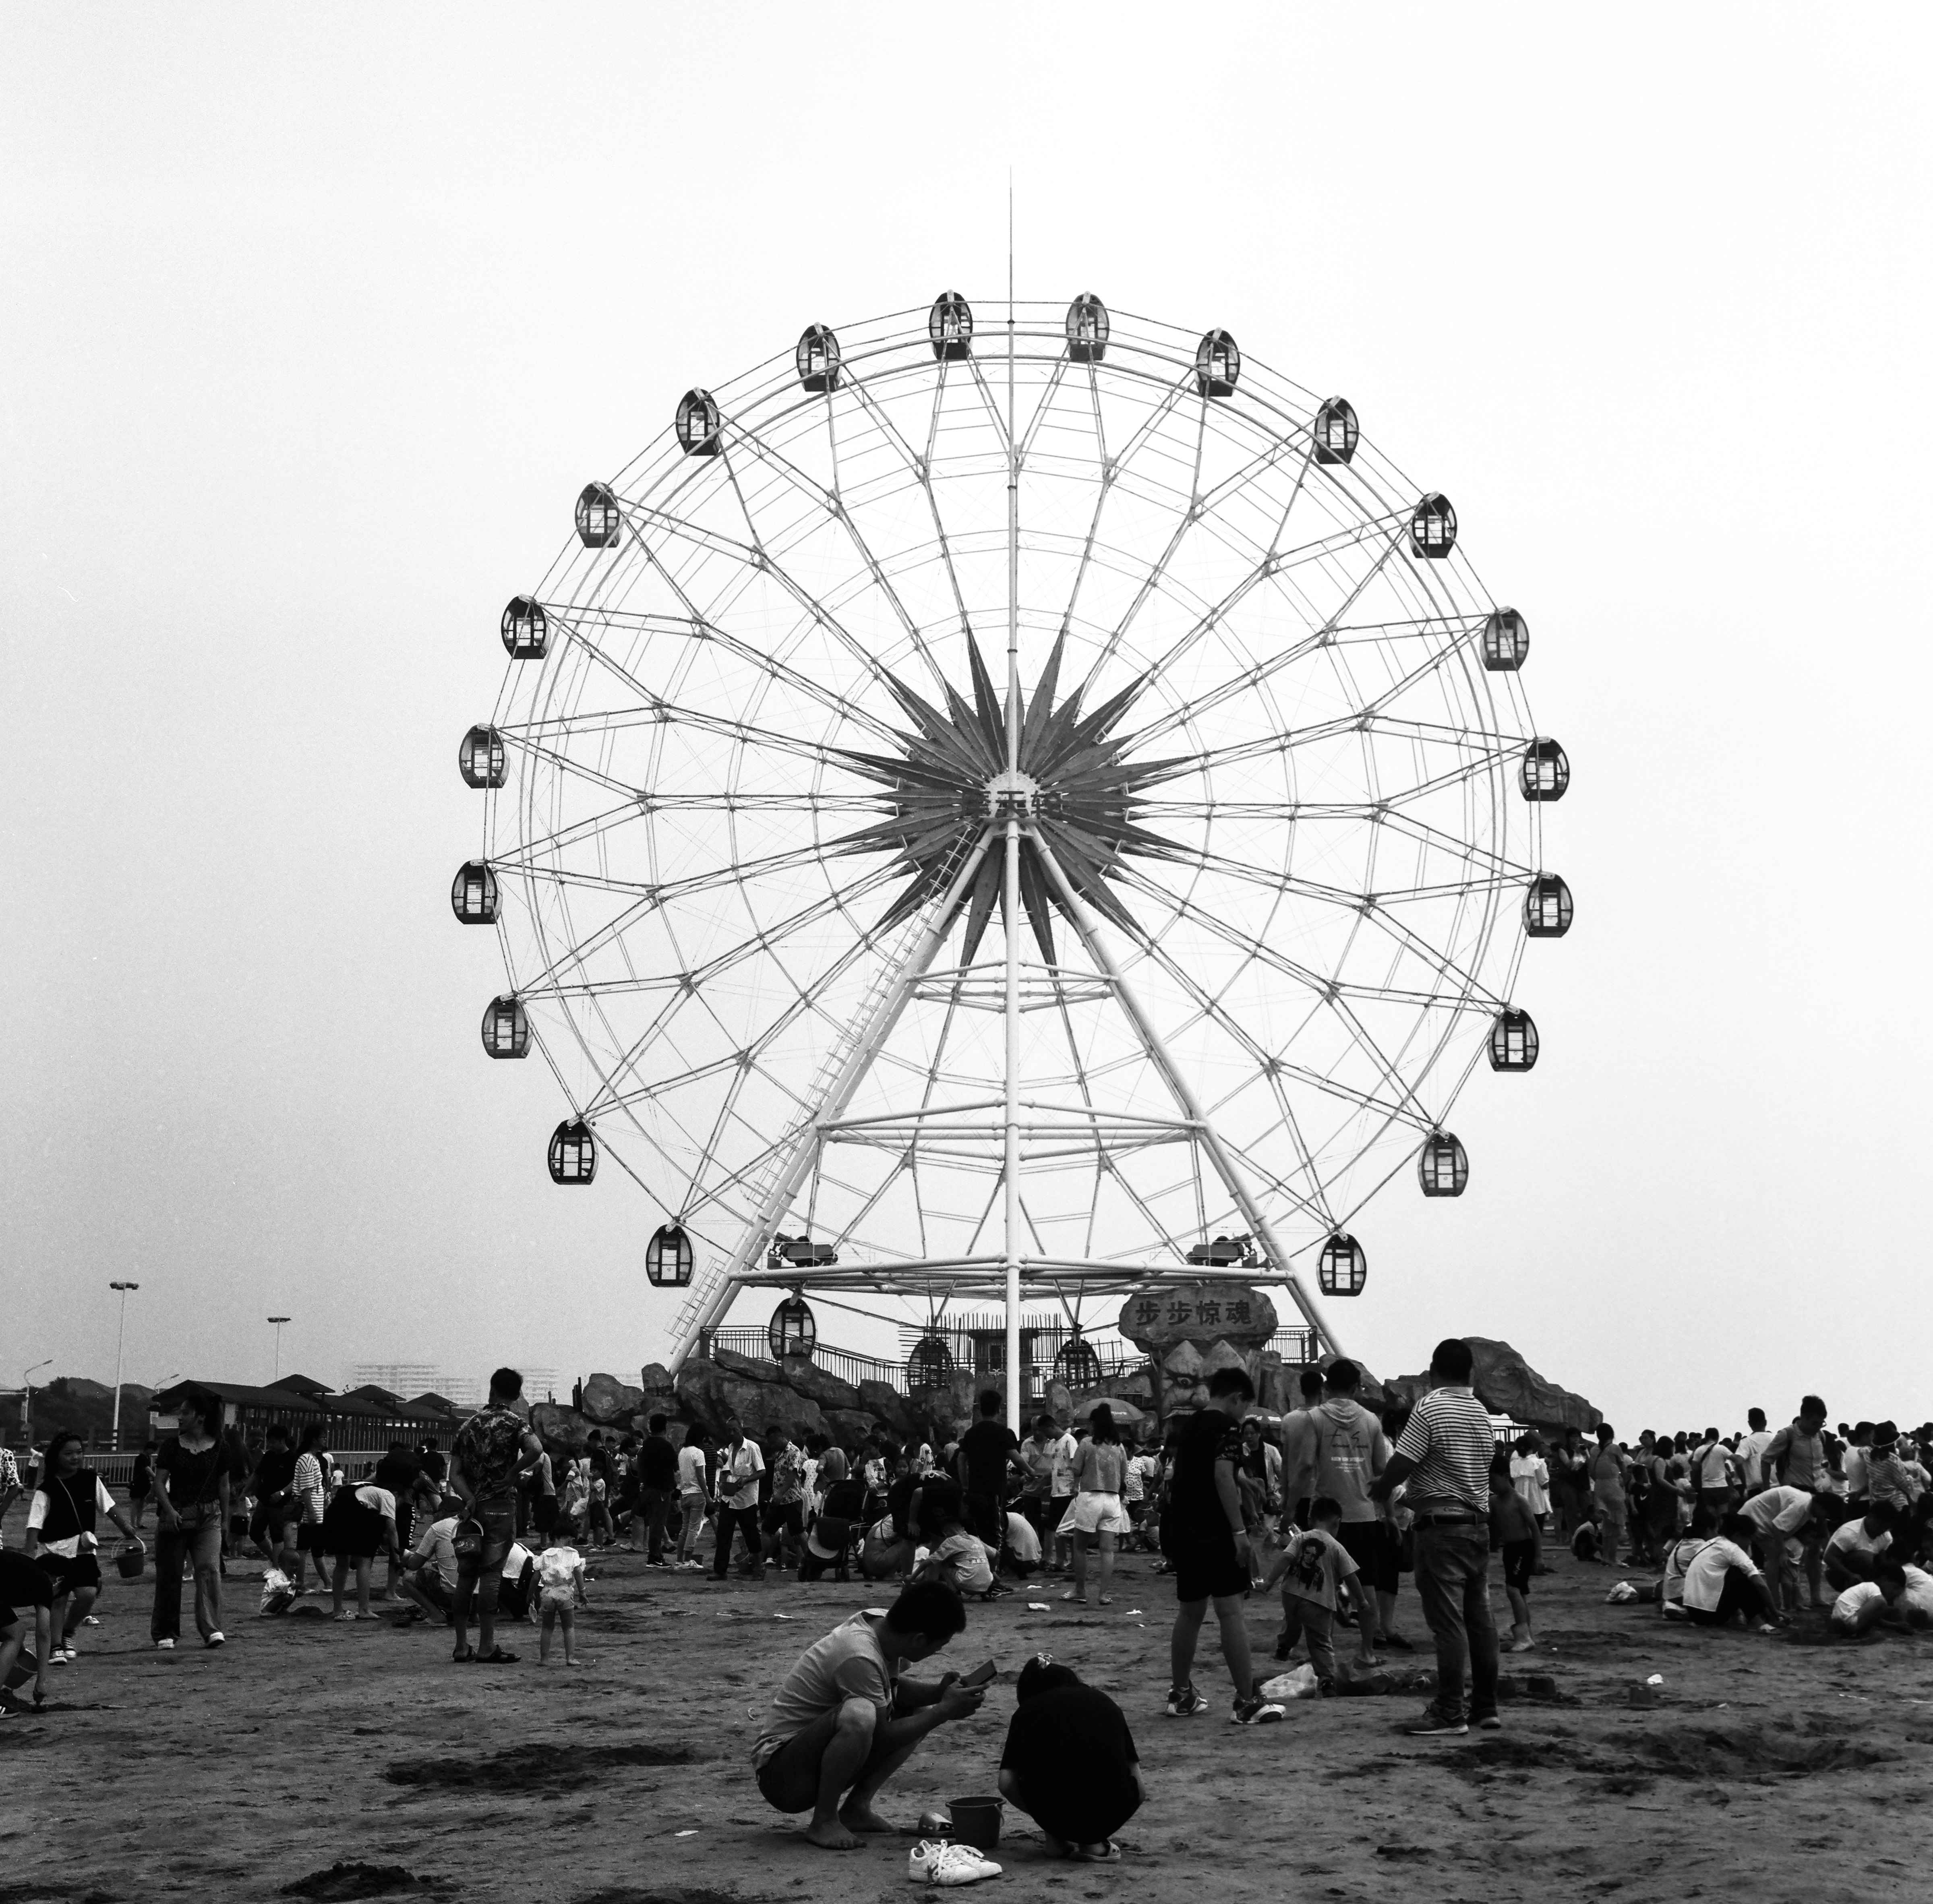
(1096,1512)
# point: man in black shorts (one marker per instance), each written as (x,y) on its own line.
(1202,1533)
(24,1584)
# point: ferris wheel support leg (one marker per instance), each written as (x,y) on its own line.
(1234,1178)
(759,1232)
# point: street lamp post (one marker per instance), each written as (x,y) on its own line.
(278,1321)
(120,1347)
(27,1399)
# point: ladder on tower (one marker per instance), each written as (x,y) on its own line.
(705,1286)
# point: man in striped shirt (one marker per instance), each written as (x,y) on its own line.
(1444,1457)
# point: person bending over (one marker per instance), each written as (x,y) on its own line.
(1721,1582)
(846,1719)
(893,1541)
(842,1501)
(1070,1763)
(1866,1602)
(956,1557)
(1854,1549)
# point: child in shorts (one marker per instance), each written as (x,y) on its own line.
(1318,1576)
(560,1593)
(1513,1529)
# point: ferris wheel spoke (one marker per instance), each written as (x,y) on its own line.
(1270,1061)
(1317,732)
(1054,378)
(1292,885)
(835,507)
(1170,401)
(995,418)
(1319,985)
(668,892)
(754,559)
(920,472)
(1252,678)
(612,931)
(698,628)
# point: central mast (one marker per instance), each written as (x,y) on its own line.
(1010,908)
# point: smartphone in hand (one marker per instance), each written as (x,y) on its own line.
(981,1674)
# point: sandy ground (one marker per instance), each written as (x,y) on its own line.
(1774,1769)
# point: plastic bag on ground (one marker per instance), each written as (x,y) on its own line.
(1299,1684)
(1623,1593)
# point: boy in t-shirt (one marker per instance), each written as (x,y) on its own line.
(1513,1529)
(1317,1575)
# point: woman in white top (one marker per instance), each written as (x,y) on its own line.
(1530,1475)
(61,1534)
(1096,1512)
(693,1488)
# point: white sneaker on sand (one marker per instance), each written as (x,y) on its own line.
(164,1646)
(940,1861)
(216,1639)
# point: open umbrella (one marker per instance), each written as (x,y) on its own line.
(1123,1411)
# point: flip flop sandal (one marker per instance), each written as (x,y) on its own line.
(1106,1599)
(1112,1855)
(501,1657)
(467,1657)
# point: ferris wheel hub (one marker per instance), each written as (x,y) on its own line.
(1018,794)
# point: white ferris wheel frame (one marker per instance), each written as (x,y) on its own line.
(1005,1128)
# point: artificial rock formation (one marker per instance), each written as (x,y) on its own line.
(1191,1330)
(1507,1385)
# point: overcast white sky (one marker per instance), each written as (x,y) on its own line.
(314,324)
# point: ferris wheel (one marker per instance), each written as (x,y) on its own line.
(1027,809)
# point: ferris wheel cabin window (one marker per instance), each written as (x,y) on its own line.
(1086,329)
(506,1028)
(1442,1166)
(598,521)
(1218,364)
(526,630)
(1432,529)
(481,759)
(1335,431)
(949,327)
(793,1330)
(1343,1267)
(698,424)
(930,1363)
(573,1152)
(1506,640)
(1545,773)
(669,1258)
(473,894)
(1546,907)
(1512,1041)
(818,359)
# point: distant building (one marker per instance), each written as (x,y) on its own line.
(465,1392)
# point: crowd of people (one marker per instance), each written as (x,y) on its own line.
(1329,1507)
